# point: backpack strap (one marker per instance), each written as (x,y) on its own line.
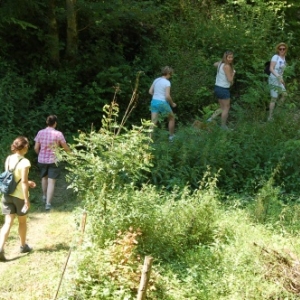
(219,66)
(7,164)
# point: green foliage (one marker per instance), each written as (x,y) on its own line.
(188,231)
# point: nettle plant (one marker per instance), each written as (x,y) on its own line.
(103,162)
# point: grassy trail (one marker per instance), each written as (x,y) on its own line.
(36,275)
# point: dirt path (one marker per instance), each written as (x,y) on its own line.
(36,275)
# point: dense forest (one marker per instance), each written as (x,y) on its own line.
(69,57)
(218,210)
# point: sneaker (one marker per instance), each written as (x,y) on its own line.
(2,256)
(25,249)
(48,206)
(224,127)
(171,138)
(44,199)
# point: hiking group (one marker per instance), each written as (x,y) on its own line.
(162,103)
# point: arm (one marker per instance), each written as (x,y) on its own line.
(65,146)
(25,185)
(37,147)
(229,73)
(216,64)
(151,90)
(168,97)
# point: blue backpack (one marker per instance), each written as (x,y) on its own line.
(7,180)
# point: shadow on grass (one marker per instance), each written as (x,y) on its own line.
(54,248)
(17,257)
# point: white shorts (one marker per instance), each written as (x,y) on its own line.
(276,87)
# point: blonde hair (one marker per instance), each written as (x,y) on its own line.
(19,144)
(279,45)
(167,70)
(224,59)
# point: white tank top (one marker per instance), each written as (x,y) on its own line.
(221,79)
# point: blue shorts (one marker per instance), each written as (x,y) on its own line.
(159,106)
(222,93)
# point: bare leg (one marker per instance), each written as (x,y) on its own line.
(50,190)
(171,124)
(271,108)
(215,114)
(22,229)
(225,106)
(154,119)
(9,219)
(282,98)
(45,185)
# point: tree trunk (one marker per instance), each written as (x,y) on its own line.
(53,37)
(72,33)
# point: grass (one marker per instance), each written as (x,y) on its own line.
(36,275)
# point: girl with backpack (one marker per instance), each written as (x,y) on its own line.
(17,203)
(276,82)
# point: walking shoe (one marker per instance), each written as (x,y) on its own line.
(44,199)
(25,249)
(48,206)
(2,257)
(171,138)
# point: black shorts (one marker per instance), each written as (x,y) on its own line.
(50,170)
(12,205)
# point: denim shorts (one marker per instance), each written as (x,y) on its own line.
(12,205)
(159,106)
(222,93)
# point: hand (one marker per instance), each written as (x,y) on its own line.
(27,203)
(31,184)
(174,104)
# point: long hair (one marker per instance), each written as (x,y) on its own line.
(224,59)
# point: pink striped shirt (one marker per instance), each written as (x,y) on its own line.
(48,138)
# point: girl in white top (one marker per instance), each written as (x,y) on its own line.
(162,102)
(224,79)
(276,81)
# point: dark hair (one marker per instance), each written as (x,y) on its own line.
(19,143)
(51,120)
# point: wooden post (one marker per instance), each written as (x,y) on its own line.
(83,222)
(145,278)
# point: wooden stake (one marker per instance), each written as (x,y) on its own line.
(145,278)
(83,222)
